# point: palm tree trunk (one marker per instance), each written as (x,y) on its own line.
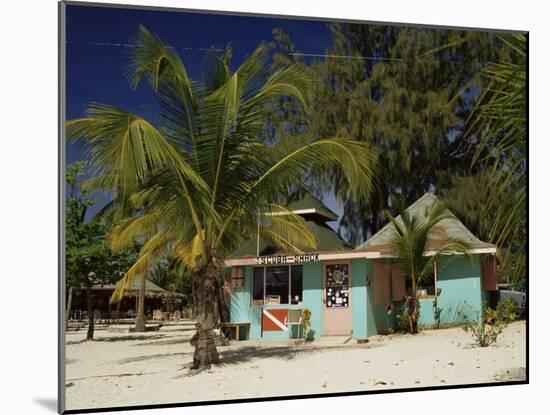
(90,304)
(413,309)
(415,312)
(140,317)
(118,308)
(68,310)
(194,295)
(203,340)
(222,308)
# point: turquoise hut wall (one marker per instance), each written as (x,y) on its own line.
(459,279)
(359,298)
(242,310)
(312,286)
(240,306)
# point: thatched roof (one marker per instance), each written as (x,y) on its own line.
(381,242)
(151,290)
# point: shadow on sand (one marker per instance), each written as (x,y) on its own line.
(247,353)
(167,342)
(117,339)
(151,356)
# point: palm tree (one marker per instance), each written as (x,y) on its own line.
(198,182)
(499,118)
(140,314)
(411,242)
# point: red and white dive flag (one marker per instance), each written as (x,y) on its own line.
(274,319)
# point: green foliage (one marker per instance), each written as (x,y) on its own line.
(305,325)
(89,260)
(403,318)
(437,313)
(441,108)
(498,169)
(406,92)
(411,235)
(507,310)
(172,275)
(482,333)
(489,327)
(195,186)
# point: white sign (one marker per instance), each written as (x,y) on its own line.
(286,259)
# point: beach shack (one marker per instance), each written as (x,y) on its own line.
(156,298)
(352,292)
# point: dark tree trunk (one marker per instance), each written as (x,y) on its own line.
(413,312)
(222,308)
(194,295)
(206,296)
(68,310)
(91,321)
(140,317)
(118,308)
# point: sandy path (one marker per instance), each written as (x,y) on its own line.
(121,369)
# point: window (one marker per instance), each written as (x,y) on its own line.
(258,285)
(426,287)
(296,284)
(277,285)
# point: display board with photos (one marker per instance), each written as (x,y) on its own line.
(337,285)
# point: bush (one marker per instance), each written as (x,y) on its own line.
(484,334)
(507,310)
(305,325)
(403,318)
(486,331)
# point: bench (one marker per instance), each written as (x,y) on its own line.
(237,327)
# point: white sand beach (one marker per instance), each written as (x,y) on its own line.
(119,369)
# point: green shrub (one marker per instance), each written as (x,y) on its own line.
(305,325)
(483,334)
(402,318)
(437,313)
(507,310)
(485,331)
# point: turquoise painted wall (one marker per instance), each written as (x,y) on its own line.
(359,298)
(460,282)
(459,279)
(312,285)
(242,310)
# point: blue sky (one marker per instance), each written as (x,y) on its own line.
(97,39)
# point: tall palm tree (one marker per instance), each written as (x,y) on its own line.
(411,242)
(197,184)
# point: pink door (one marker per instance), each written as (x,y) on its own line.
(337,298)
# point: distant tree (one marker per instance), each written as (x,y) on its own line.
(407,92)
(89,261)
